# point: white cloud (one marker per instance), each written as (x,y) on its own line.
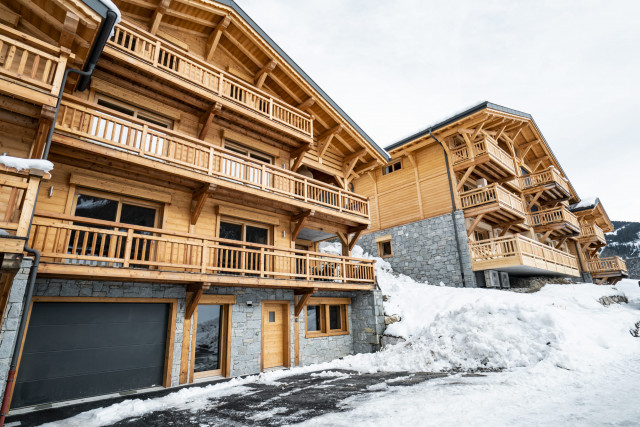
(395,67)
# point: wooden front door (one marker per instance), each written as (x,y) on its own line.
(275,334)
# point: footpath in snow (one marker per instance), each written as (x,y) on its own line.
(562,357)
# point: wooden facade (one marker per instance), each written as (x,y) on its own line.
(507,181)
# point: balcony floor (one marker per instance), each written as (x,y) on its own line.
(525,266)
(486,166)
(67,271)
(496,213)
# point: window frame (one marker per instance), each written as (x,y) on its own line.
(392,167)
(244,224)
(138,112)
(325,327)
(380,241)
(236,147)
(121,199)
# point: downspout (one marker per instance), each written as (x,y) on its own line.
(101,39)
(453,206)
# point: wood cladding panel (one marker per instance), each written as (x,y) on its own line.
(399,207)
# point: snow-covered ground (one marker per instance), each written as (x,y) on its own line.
(565,359)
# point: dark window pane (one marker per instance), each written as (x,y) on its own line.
(138,215)
(386,248)
(260,158)
(208,335)
(272,316)
(313,318)
(116,107)
(96,208)
(335,320)
(257,235)
(230,231)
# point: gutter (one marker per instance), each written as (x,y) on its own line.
(453,206)
(85,77)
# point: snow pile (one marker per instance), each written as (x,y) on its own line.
(25,164)
(586,202)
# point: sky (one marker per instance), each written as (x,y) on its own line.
(399,66)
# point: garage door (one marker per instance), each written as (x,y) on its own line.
(75,350)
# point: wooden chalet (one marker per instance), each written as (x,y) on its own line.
(194,178)
(493,164)
(594,222)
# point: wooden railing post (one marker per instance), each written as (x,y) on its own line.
(143,139)
(60,67)
(205,257)
(156,56)
(27,205)
(127,248)
(308,266)
(306,186)
(262,259)
(343,275)
(264,176)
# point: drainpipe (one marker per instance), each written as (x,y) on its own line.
(101,40)
(453,207)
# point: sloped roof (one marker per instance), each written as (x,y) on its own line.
(232,4)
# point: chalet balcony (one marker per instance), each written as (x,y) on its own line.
(520,255)
(609,270)
(547,186)
(487,158)
(30,69)
(592,235)
(232,172)
(82,247)
(17,195)
(556,221)
(495,205)
(154,55)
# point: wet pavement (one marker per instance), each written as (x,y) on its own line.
(288,400)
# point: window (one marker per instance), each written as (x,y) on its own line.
(392,167)
(326,319)
(94,205)
(249,152)
(133,111)
(246,257)
(385,250)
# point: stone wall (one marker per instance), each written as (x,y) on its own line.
(426,250)
(11,320)
(367,314)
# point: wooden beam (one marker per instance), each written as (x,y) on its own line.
(349,162)
(561,241)
(474,224)
(298,155)
(200,197)
(214,38)
(354,239)
(304,106)
(533,201)
(213,111)
(41,13)
(546,236)
(299,221)
(157,16)
(258,81)
(465,177)
(68,33)
(304,298)
(476,132)
(8,16)
(198,290)
(504,230)
(324,139)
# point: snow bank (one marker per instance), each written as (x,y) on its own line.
(25,164)
(586,202)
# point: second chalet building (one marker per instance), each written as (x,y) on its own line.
(480,198)
(178,231)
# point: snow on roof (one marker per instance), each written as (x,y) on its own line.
(25,164)
(585,203)
(111,6)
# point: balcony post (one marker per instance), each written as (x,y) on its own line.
(308,266)
(60,66)
(156,57)
(221,84)
(262,257)
(127,248)
(343,274)
(27,205)
(211,159)
(205,257)
(143,140)
(306,186)
(264,176)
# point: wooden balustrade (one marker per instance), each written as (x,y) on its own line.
(32,61)
(503,251)
(157,53)
(607,265)
(551,175)
(590,231)
(553,215)
(487,145)
(493,193)
(118,130)
(77,240)
(17,197)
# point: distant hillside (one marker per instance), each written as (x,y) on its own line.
(624,241)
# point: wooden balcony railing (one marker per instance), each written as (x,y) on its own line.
(554,215)
(592,231)
(17,196)
(124,132)
(157,53)
(548,176)
(494,252)
(493,193)
(32,61)
(76,240)
(607,265)
(484,146)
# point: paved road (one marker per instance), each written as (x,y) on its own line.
(288,401)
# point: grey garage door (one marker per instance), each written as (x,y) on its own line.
(74,350)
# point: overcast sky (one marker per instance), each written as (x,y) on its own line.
(398,66)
